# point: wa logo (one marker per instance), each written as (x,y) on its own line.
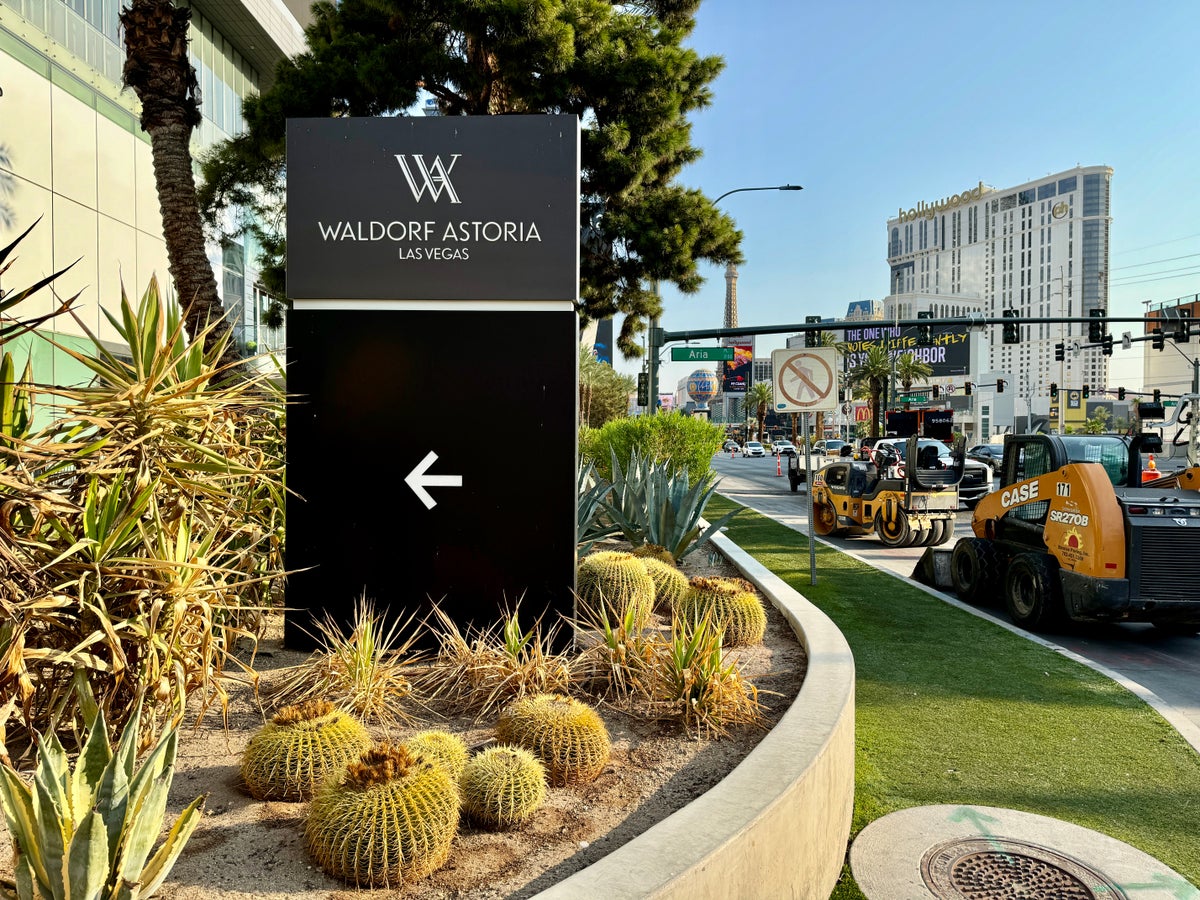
(433,177)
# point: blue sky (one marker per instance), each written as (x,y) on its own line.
(871,106)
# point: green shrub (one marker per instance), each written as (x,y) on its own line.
(687,444)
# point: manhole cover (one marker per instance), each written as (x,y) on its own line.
(1006,869)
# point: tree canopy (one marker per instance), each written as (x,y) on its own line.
(621,67)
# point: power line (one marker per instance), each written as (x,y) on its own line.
(1155,262)
(1159,244)
(1127,278)
(1163,278)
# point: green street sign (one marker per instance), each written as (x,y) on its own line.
(912,398)
(701,354)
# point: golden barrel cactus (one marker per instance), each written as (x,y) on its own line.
(670,584)
(615,582)
(390,818)
(502,786)
(302,746)
(441,747)
(568,736)
(731,604)
(654,551)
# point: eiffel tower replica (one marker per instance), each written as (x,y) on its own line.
(730,402)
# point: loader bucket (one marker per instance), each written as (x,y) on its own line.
(933,568)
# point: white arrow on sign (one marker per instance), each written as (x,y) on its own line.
(418,480)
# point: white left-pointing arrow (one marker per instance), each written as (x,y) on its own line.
(418,480)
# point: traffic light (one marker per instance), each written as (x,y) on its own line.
(1087,392)
(999,385)
(967,388)
(1183,328)
(1098,326)
(812,338)
(1120,393)
(1053,391)
(935,392)
(643,389)
(1107,345)
(1012,331)
(1157,396)
(1157,341)
(1060,352)
(925,332)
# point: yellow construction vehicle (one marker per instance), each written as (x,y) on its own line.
(905,503)
(1073,533)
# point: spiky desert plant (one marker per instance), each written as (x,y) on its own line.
(616,581)
(697,685)
(88,833)
(503,786)
(442,747)
(391,817)
(568,736)
(615,659)
(368,671)
(670,584)
(484,668)
(302,746)
(731,604)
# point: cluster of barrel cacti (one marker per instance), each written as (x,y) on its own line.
(383,814)
(731,604)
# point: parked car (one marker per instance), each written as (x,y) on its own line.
(730,444)
(977,476)
(783,448)
(828,448)
(753,448)
(991,454)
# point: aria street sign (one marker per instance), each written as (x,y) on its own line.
(912,398)
(701,354)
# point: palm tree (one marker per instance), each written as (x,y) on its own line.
(159,71)
(873,373)
(759,398)
(909,369)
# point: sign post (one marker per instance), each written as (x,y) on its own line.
(416,247)
(806,381)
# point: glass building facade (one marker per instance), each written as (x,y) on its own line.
(73,155)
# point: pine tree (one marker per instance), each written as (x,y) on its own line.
(622,68)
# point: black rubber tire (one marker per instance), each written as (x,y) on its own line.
(931,534)
(917,536)
(975,570)
(1033,591)
(794,482)
(898,535)
(942,529)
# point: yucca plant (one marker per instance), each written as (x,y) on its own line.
(368,671)
(697,684)
(652,504)
(88,833)
(143,531)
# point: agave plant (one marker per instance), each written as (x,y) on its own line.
(652,504)
(88,833)
(590,525)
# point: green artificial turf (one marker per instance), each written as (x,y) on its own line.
(951,708)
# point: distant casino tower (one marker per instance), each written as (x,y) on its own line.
(731,296)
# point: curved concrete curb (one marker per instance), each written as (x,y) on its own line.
(778,824)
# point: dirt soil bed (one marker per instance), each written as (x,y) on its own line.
(245,848)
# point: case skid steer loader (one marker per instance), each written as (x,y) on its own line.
(1074,533)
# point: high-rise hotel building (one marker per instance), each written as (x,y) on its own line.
(1040,248)
(72,154)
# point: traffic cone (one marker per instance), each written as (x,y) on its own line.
(1151,470)
(778,463)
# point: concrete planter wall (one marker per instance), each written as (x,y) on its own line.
(777,825)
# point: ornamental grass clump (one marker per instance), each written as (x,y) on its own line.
(441,747)
(482,669)
(391,817)
(297,751)
(503,786)
(368,671)
(731,604)
(568,736)
(615,582)
(615,660)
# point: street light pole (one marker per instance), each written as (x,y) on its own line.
(656,340)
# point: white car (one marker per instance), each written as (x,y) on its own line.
(753,448)
(977,476)
(783,448)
